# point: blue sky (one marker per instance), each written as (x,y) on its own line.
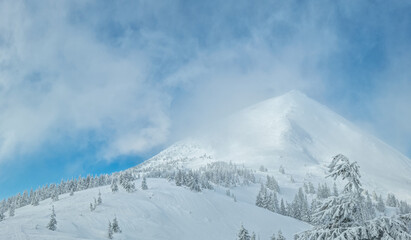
(99,86)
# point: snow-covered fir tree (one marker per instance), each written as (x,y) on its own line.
(12,210)
(92,207)
(55,196)
(253,236)
(311,188)
(272,184)
(114,186)
(53,222)
(380,205)
(126,181)
(110,231)
(392,201)
(2,211)
(35,199)
(144,184)
(243,234)
(116,227)
(280,235)
(99,200)
(71,191)
(281,169)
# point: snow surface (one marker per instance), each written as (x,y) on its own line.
(164,211)
(298,133)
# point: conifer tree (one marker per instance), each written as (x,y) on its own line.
(35,199)
(311,188)
(243,234)
(283,210)
(281,169)
(99,200)
(53,222)
(71,191)
(280,235)
(114,186)
(110,231)
(2,210)
(12,209)
(144,184)
(253,237)
(380,204)
(116,227)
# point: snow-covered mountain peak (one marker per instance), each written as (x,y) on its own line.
(298,133)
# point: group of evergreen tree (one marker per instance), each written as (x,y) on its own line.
(267,199)
(52,225)
(144,184)
(347,215)
(309,188)
(113,228)
(53,191)
(279,236)
(243,234)
(272,184)
(127,181)
(97,202)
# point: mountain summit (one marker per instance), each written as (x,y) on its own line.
(299,134)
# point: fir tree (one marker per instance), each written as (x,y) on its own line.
(71,191)
(53,222)
(144,184)
(281,169)
(283,210)
(280,235)
(2,210)
(243,234)
(11,210)
(253,237)
(99,200)
(114,186)
(311,188)
(115,226)
(55,196)
(380,204)
(110,231)
(92,208)
(368,208)
(35,200)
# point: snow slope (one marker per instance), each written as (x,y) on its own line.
(164,211)
(298,133)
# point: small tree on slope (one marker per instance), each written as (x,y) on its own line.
(116,227)
(110,231)
(340,217)
(243,234)
(53,222)
(144,184)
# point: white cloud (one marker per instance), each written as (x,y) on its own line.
(58,80)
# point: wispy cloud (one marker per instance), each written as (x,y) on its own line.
(132,75)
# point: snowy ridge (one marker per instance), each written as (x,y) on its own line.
(300,134)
